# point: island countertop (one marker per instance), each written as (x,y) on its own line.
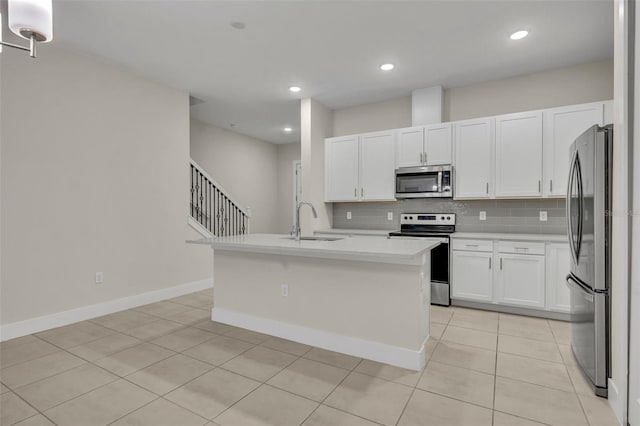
(399,251)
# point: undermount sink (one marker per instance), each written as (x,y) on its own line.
(315,238)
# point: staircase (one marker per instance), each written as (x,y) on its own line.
(213,211)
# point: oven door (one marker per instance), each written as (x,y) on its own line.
(418,182)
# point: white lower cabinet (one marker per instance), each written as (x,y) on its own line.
(520,280)
(472,275)
(526,274)
(558,266)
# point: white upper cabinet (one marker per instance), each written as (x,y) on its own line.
(377,166)
(424,145)
(519,155)
(360,167)
(561,127)
(437,141)
(410,147)
(473,159)
(341,169)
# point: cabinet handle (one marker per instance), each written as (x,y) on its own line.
(501,264)
(471,245)
(522,248)
(539,185)
(487,187)
(362,192)
(355,192)
(551,185)
(421,158)
(489,263)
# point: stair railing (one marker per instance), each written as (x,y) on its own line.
(213,208)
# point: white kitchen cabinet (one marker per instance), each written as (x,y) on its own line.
(377,166)
(410,147)
(474,159)
(438,139)
(518,145)
(360,167)
(557,269)
(342,169)
(561,127)
(471,275)
(520,280)
(424,145)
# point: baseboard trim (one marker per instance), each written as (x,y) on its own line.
(46,322)
(532,312)
(375,351)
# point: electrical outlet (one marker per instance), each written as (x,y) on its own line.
(99,277)
(389,215)
(348,215)
(543,216)
(483,216)
(285,290)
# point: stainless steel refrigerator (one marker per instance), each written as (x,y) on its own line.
(589,231)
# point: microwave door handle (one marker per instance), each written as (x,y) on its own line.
(440,181)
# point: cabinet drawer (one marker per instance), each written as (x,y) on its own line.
(472,245)
(521,247)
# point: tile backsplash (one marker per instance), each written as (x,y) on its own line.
(512,216)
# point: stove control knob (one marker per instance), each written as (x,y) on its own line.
(448,217)
(442,218)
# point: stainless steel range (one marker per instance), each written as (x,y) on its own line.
(432,225)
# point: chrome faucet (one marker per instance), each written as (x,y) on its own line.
(297,225)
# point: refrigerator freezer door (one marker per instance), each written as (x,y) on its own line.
(588,333)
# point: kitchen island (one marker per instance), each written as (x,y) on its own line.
(360,296)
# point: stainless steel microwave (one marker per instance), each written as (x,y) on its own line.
(424,182)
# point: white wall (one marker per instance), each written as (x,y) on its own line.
(384,115)
(565,86)
(287,154)
(315,126)
(620,221)
(244,166)
(95,169)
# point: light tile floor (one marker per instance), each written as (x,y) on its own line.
(168,364)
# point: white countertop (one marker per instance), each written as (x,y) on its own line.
(411,252)
(552,238)
(344,231)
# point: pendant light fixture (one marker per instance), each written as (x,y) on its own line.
(31,20)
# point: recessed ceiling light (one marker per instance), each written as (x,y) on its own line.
(294,89)
(288,129)
(386,67)
(238,25)
(519,35)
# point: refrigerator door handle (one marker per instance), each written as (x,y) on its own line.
(577,285)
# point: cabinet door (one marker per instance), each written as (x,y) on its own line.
(519,155)
(377,166)
(410,147)
(437,141)
(520,280)
(558,266)
(471,275)
(561,127)
(341,169)
(473,165)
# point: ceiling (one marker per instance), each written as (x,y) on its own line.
(332,49)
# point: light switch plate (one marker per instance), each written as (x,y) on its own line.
(483,216)
(543,216)
(348,215)
(389,215)
(99,277)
